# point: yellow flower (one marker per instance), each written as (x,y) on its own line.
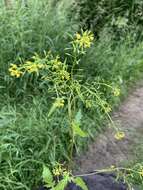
(108,108)
(13,66)
(32,67)
(14,71)
(116,92)
(41,66)
(119,135)
(64,75)
(78,36)
(84,40)
(59,102)
(58,170)
(66,173)
(56,63)
(141,173)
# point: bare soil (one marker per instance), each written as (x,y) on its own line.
(106,150)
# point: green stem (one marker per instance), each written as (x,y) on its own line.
(104,84)
(106,171)
(103,107)
(71,130)
(75,60)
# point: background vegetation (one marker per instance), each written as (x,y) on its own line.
(28,138)
(118,17)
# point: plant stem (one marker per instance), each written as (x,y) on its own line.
(71,130)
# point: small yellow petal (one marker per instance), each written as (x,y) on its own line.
(119,135)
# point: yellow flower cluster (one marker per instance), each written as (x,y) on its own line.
(108,108)
(141,173)
(119,135)
(14,71)
(85,39)
(32,67)
(64,75)
(29,66)
(56,63)
(58,170)
(59,103)
(116,92)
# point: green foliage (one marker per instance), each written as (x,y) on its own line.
(61,185)
(25,30)
(116,62)
(47,177)
(29,141)
(118,15)
(77,130)
(62,178)
(79,182)
(31,138)
(59,80)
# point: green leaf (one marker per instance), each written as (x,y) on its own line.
(61,184)
(2,87)
(78,131)
(79,182)
(6,118)
(47,176)
(52,109)
(78,117)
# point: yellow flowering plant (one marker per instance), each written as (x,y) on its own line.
(59,177)
(62,79)
(85,40)
(60,76)
(15,71)
(133,174)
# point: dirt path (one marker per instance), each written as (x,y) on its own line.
(106,150)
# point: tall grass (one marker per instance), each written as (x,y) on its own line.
(116,62)
(42,25)
(38,27)
(27,141)
(28,138)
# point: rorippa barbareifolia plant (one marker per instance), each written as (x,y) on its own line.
(62,79)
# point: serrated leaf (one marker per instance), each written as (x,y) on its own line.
(61,185)
(47,176)
(79,182)
(78,131)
